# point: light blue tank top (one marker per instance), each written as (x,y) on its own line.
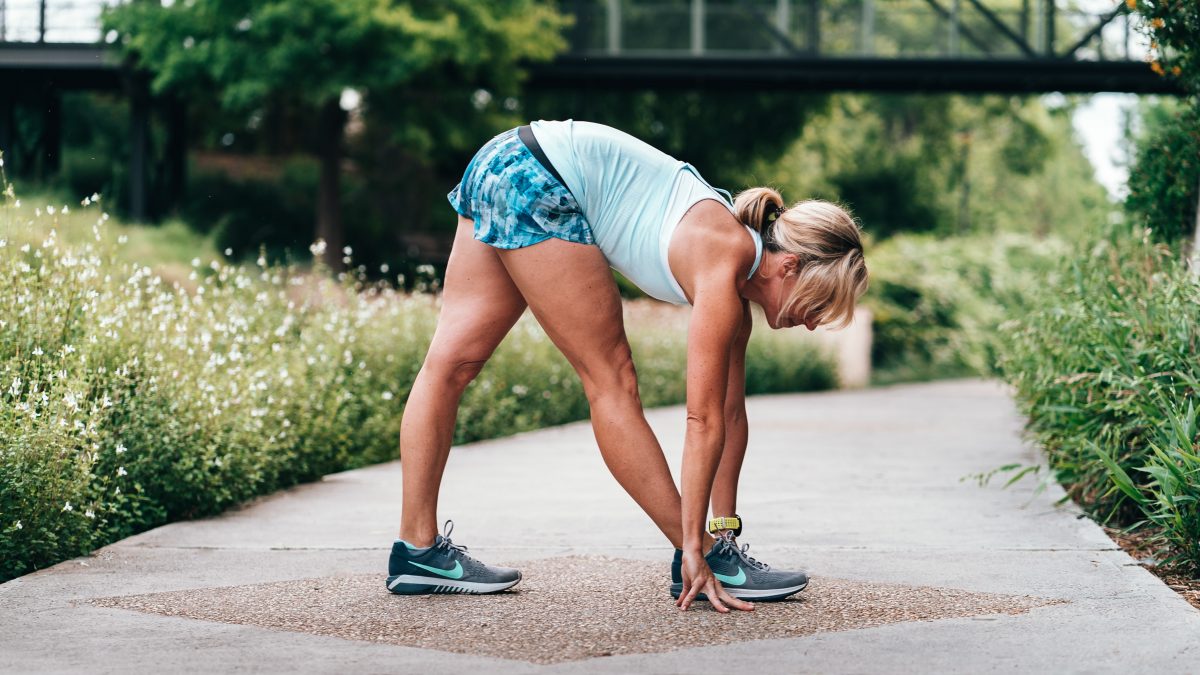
(632,195)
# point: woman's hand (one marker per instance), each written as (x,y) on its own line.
(698,578)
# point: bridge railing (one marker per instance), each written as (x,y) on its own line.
(1086,30)
(52,21)
(951,29)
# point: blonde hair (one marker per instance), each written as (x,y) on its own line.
(832,270)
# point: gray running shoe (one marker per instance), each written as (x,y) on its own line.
(444,567)
(742,576)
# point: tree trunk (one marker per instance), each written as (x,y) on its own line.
(330,130)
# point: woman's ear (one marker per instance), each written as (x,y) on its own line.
(789,263)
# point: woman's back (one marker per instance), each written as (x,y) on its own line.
(631,194)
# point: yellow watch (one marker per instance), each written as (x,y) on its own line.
(733,522)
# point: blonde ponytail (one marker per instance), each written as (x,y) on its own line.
(825,237)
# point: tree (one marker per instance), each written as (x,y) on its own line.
(306,53)
(1174,28)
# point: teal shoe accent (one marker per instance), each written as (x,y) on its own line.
(455,572)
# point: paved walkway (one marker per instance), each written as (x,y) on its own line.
(862,488)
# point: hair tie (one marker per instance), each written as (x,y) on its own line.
(767,233)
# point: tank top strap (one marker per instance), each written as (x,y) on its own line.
(758,250)
(728,198)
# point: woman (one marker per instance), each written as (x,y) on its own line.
(544,211)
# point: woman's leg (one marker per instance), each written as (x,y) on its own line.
(480,304)
(571,291)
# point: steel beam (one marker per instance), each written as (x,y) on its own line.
(810,74)
(1104,21)
(1003,28)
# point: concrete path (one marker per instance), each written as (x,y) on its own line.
(861,488)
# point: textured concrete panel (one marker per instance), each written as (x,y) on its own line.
(565,609)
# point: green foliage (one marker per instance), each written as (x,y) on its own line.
(310,50)
(131,397)
(1164,181)
(1105,366)
(942,164)
(938,303)
(1174,27)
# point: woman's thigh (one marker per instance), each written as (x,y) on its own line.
(571,291)
(480,304)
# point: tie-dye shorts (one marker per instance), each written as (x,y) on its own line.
(514,200)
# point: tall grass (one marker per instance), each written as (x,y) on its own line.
(1107,368)
(131,396)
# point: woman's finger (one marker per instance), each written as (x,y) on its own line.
(713,591)
(736,603)
(689,596)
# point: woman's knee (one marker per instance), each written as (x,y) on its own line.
(612,375)
(457,369)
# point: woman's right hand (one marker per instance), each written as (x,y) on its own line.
(698,578)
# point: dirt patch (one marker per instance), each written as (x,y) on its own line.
(1139,546)
(565,609)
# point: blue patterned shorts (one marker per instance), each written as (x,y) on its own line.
(514,200)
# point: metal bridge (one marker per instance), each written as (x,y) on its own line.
(883,45)
(1026,46)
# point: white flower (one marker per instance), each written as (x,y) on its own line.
(121,471)
(68,507)
(19,525)
(318,247)
(346,250)
(117,491)
(89,513)
(519,390)
(49,210)
(195,262)
(37,351)
(387,395)
(121,448)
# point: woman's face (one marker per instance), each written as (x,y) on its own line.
(780,288)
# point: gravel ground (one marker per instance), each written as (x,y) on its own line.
(565,609)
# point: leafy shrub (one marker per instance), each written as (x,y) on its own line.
(1165,175)
(1105,367)
(937,302)
(128,400)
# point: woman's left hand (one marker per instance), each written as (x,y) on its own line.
(698,578)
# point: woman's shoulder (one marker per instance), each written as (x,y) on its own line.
(713,238)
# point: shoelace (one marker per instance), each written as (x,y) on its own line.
(731,544)
(445,543)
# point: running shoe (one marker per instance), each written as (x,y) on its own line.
(444,567)
(742,576)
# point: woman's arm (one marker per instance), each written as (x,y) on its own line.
(715,322)
(724,491)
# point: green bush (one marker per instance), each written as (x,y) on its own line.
(1165,177)
(1106,368)
(129,399)
(937,302)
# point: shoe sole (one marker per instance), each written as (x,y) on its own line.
(414,584)
(758,594)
